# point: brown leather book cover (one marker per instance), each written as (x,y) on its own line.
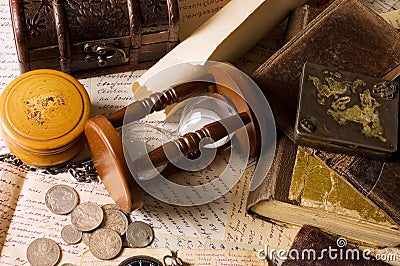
(329,250)
(347,35)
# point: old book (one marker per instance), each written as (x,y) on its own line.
(300,189)
(314,247)
(331,42)
(347,35)
(300,18)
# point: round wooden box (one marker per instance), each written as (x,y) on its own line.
(43,114)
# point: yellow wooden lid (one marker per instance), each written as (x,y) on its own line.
(44,109)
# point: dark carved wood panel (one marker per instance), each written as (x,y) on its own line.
(154,15)
(97,19)
(39,19)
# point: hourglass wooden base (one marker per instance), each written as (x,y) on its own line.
(107,153)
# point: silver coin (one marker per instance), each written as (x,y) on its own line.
(87,216)
(61,199)
(139,234)
(110,206)
(85,237)
(115,220)
(70,234)
(43,252)
(105,244)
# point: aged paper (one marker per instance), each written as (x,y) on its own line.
(393,17)
(8,59)
(193,13)
(23,197)
(226,35)
(381,6)
(262,50)
(111,92)
(27,218)
(166,244)
(221,258)
(222,224)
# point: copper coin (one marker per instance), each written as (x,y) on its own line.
(70,234)
(105,244)
(139,234)
(87,216)
(43,252)
(61,199)
(115,220)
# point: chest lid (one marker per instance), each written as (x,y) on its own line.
(44,109)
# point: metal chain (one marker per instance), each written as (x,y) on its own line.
(82,171)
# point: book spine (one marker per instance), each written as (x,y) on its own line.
(276,185)
(299,19)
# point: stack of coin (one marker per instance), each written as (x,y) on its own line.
(103,229)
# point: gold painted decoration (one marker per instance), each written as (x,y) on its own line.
(366,113)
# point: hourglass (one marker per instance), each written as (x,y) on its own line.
(216,116)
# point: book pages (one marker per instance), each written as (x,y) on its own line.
(393,17)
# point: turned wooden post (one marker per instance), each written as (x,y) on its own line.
(159,100)
(190,142)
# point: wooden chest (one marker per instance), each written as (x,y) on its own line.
(93,37)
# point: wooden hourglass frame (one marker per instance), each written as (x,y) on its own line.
(106,147)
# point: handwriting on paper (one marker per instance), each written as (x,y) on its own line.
(110,93)
(381,6)
(9,69)
(176,243)
(8,54)
(221,257)
(31,218)
(157,253)
(193,13)
(241,227)
(11,181)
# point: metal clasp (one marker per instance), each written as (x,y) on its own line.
(102,52)
(386,89)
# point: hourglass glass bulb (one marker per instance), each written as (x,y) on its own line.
(204,110)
